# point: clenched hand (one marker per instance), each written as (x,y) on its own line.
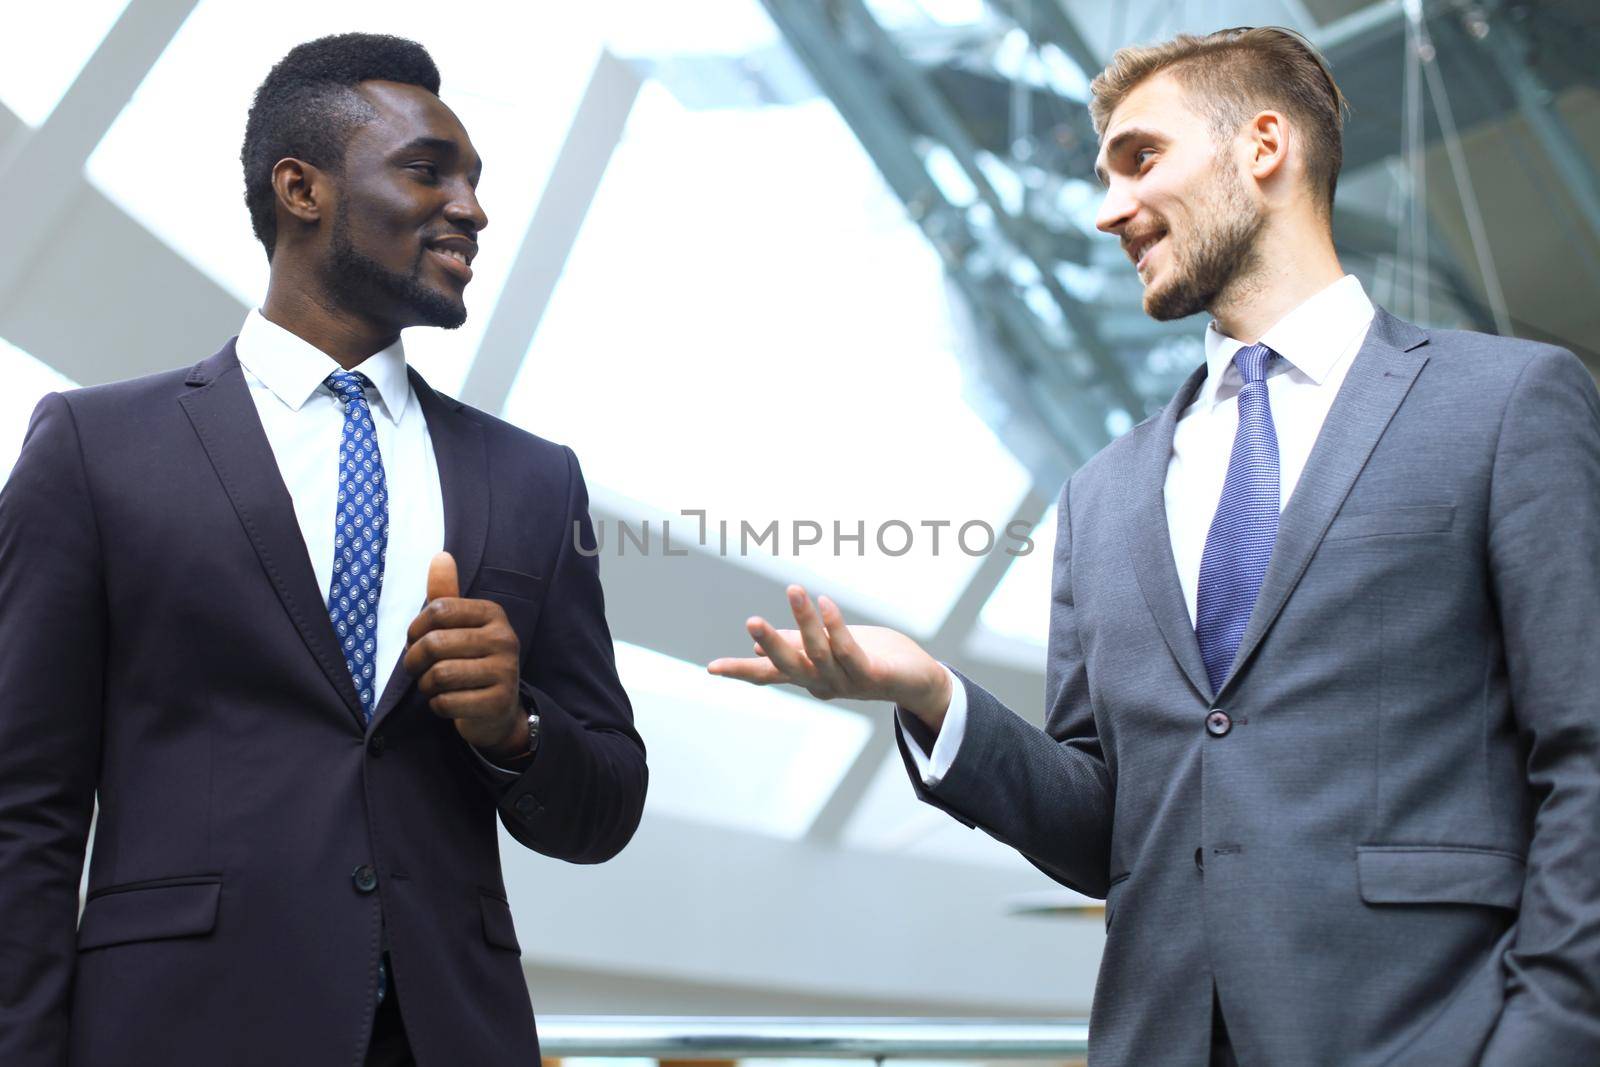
(466,659)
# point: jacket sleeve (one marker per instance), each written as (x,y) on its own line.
(1046,793)
(583,794)
(52,646)
(1544,560)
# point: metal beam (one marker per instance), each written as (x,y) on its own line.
(42,167)
(596,130)
(1508,49)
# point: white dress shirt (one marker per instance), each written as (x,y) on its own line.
(304,423)
(1317,342)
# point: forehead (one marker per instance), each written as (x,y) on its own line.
(1159,104)
(405,113)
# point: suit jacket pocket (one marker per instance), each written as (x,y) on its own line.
(150,911)
(1439,874)
(1421,519)
(498,929)
(515,583)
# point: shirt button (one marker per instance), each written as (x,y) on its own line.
(365,878)
(1217,723)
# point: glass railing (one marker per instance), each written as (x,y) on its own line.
(735,1038)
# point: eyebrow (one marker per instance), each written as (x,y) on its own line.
(442,145)
(1119,142)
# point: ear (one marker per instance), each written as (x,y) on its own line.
(1267,144)
(303,190)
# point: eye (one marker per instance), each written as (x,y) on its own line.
(1143,156)
(428,171)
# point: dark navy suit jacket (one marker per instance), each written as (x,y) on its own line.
(165,646)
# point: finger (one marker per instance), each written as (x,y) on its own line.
(442,581)
(784,655)
(467,703)
(813,638)
(460,674)
(754,671)
(453,614)
(846,653)
(440,645)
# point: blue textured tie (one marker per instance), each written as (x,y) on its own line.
(361,534)
(1239,545)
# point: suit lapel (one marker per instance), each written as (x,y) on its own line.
(1150,541)
(1378,380)
(224,417)
(463,464)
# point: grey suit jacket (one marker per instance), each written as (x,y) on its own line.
(1392,855)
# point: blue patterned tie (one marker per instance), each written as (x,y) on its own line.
(1239,545)
(361,534)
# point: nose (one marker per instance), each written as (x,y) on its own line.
(464,211)
(1116,209)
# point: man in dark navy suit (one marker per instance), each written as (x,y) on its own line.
(227,615)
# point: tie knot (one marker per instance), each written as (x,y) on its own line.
(348,385)
(1253,361)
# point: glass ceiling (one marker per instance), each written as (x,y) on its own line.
(26,382)
(1019,609)
(750,325)
(735,755)
(43,48)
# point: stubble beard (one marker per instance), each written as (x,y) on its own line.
(1220,259)
(356,281)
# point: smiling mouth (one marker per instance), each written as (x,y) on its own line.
(454,262)
(1141,249)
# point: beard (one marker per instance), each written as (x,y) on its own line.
(1220,256)
(357,281)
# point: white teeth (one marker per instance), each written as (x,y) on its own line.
(453,254)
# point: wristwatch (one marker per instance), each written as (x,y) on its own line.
(533,740)
(513,762)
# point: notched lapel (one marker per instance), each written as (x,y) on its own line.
(1150,540)
(1378,380)
(463,462)
(224,417)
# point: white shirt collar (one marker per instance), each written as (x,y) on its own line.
(1311,338)
(293,369)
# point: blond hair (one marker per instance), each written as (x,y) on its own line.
(1231,76)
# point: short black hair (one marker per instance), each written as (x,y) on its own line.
(307,108)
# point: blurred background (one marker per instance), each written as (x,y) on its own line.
(789,260)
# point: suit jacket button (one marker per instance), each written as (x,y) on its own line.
(526,805)
(376,745)
(365,878)
(1217,723)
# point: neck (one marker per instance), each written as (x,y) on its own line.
(1253,303)
(349,339)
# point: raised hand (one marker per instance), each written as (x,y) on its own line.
(830,660)
(465,657)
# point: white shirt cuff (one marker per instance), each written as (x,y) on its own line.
(935,765)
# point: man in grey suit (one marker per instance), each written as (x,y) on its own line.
(1323,676)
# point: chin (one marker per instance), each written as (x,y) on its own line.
(1172,301)
(444,310)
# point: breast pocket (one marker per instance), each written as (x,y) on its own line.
(518,593)
(512,583)
(1389,522)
